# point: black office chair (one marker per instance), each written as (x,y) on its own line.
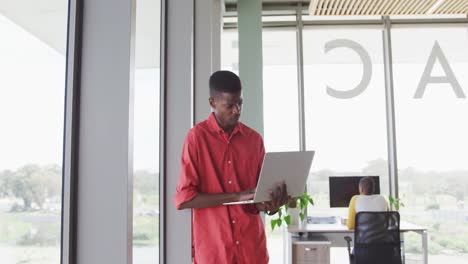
(376,239)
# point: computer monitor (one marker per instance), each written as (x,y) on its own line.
(343,188)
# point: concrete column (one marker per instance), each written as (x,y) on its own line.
(177,119)
(251,61)
(105,159)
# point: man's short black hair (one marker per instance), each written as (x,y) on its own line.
(368,185)
(224,82)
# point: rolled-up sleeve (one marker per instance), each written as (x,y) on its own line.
(187,188)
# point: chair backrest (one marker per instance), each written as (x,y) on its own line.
(377,238)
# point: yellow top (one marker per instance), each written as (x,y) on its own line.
(359,203)
(351,212)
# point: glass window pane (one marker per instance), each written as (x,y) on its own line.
(430,105)
(344,111)
(280,91)
(280,109)
(146,134)
(347,131)
(280,103)
(230,50)
(32,92)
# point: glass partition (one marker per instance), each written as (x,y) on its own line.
(431,85)
(32,98)
(146,134)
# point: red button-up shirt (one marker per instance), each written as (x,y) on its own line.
(216,162)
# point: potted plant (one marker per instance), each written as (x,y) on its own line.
(298,204)
(395,202)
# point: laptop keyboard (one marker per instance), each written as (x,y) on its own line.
(321,220)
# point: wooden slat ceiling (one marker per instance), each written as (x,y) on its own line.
(387,7)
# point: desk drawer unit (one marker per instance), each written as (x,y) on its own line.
(317,252)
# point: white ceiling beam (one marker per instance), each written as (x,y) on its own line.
(464,8)
(339,7)
(438,6)
(391,7)
(320,7)
(385,6)
(351,7)
(366,6)
(404,7)
(344,8)
(398,7)
(456,8)
(357,7)
(313,7)
(329,7)
(449,6)
(411,7)
(376,7)
(426,5)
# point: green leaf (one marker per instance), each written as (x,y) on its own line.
(280,213)
(279,222)
(311,201)
(303,203)
(301,215)
(287,219)
(273,223)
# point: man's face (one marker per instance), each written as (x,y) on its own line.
(227,108)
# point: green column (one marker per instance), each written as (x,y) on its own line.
(250,61)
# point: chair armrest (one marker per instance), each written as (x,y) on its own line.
(348,241)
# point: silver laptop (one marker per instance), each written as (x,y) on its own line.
(291,167)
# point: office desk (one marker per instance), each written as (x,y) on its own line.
(335,233)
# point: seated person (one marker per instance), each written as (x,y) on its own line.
(366,201)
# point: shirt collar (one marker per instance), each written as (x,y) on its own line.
(214,126)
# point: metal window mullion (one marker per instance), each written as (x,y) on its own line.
(390,108)
(300,82)
(162,132)
(357,22)
(300,78)
(68,254)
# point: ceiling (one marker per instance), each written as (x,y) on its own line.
(273,1)
(375,7)
(387,7)
(47,21)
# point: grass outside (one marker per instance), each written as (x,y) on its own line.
(145,231)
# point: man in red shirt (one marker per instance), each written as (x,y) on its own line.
(221,162)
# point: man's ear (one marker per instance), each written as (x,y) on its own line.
(212,102)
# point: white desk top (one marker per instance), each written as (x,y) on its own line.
(339,228)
